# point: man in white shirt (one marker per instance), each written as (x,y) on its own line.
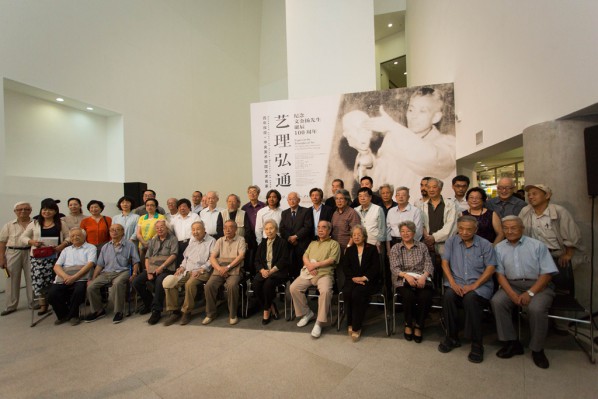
(196,198)
(372,218)
(181,225)
(403,212)
(209,215)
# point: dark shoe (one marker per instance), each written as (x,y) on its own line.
(186,318)
(7,312)
(417,338)
(408,335)
(448,345)
(58,322)
(75,321)
(155,317)
(95,316)
(274,312)
(173,318)
(145,310)
(477,353)
(510,349)
(118,317)
(267,321)
(540,359)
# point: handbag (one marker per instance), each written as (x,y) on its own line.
(43,252)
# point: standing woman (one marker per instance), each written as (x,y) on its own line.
(96,226)
(146,226)
(75,214)
(361,265)
(46,236)
(489,224)
(271,211)
(271,265)
(127,219)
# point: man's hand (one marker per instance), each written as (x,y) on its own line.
(564,260)
(293,240)
(359,280)
(468,288)
(457,288)
(265,273)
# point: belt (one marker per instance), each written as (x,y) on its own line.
(20,248)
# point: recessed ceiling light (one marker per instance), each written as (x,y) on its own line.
(90,108)
(396,62)
(404,73)
(479,162)
(482,165)
(60,99)
(390,25)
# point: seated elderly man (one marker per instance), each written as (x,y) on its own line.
(320,260)
(468,264)
(227,261)
(159,263)
(72,269)
(524,271)
(113,266)
(194,270)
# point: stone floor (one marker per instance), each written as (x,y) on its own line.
(136,360)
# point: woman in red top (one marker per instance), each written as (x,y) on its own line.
(96,226)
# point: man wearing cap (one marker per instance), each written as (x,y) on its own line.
(505,203)
(550,223)
(524,270)
(14,257)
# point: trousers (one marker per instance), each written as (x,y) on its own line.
(119,288)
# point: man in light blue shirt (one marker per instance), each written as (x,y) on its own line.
(468,263)
(525,269)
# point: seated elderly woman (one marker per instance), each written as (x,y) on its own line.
(271,264)
(412,269)
(361,266)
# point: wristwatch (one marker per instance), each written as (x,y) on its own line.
(530,293)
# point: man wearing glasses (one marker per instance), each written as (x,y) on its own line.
(506,204)
(14,257)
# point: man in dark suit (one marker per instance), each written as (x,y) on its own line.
(296,227)
(367,181)
(337,184)
(319,211)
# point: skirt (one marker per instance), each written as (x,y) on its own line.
(42,274)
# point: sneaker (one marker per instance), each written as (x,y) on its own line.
(174,317)
(95,316)
(306,319)
(448,345)
(118,317)
(185,319)
(540,359)
(155,317)
(75,321)
(207,321)
(233,321)
(316,331)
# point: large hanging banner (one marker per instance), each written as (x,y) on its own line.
(394,136)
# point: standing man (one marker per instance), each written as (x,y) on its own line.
(320,211)
(209,215)
(337,184)
(320,260)
(403,212)
(505,203)
(344,219)
(385,191)
(227,261)
(423,188)
(372,218)
(460,187)
(159,263)
(439,217)
(524,271)
(468,264)
(196,198)
(172,210)
(147,194)
(232,211)
(296,227)
(118,264)
(251,209)
(181,226)
(14,258)
(367,182)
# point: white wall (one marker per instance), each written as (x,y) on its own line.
(49,140)
(514,63)
(388,48)
(182,74)
(330,47)
(273,52)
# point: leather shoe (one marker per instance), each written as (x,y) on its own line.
(267,321)
(448,345)
(540,359)
(7,312)
(406,335)
(155,317)
(510,349)
(418,338)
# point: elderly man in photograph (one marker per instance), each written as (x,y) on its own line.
(118,263)
(72,269)
(227,261)
(468,263)
(524,271)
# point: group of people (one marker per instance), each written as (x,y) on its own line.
(358,246)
